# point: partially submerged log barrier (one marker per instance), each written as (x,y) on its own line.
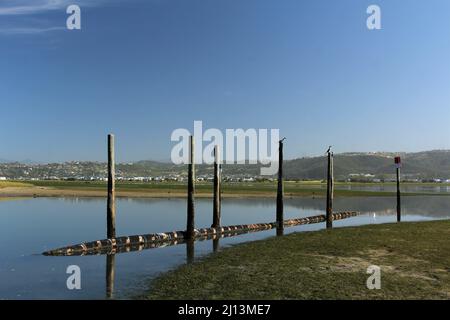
(154,240)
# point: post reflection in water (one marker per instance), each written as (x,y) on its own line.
(190,251)
(111,264)
(280,232)
(215,244)
(110,271)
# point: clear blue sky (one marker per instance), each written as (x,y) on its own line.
(141,69)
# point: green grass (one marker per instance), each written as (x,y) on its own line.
(414,260)
(12,184)
(243,188)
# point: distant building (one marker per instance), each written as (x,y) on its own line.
(3,179)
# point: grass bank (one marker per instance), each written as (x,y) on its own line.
(11,184)
(178,189)
(414,259)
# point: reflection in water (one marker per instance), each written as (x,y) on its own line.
(215,243)
(59,221)
(405,188)
(190,251)
(110,271)
(111,264)
(423,206)
(280,231)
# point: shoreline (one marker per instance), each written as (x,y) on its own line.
(246,192)
(14,193)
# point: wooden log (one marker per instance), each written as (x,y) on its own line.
(140,242)
(329,209)
(190,225)
(111,206)
(217,197)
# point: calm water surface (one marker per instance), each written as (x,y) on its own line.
(31,226)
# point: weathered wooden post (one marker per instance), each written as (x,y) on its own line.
(110,271)
(330,191)
(111,206)
(398,164)
(217,198)
(280,189)
(190,227)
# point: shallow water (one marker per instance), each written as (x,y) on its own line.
(30,226)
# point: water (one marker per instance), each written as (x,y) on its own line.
(31,226)
(406,188)
(434,188)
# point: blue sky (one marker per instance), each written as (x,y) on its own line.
(141,69)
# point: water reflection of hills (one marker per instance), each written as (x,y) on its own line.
(429,206)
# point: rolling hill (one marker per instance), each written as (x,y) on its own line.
(421,165)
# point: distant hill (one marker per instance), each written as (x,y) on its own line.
(428,164)
(26,161)
(420,165)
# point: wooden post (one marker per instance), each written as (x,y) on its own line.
(280,190)
(330,191)
(110,271)
(398,164)
(190,227)
(217,200)
(399,209)
(111,207)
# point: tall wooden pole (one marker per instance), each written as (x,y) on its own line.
(111,207)
(217,198)
(280,189)
(330,191)
(399,208)
(190,227)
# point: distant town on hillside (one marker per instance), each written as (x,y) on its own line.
(428,166)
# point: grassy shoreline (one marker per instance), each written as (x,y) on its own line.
(414,258)
(178,190)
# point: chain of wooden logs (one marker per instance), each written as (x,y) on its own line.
(147,241)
